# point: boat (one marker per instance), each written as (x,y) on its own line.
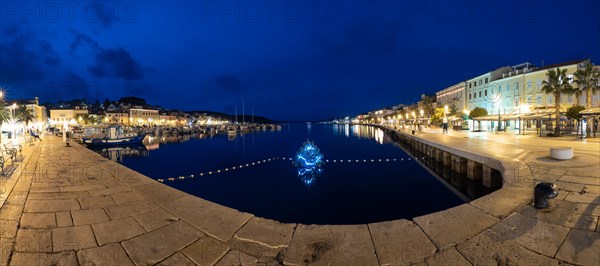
(114,136)
(231,131)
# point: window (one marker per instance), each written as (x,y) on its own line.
(486,80)
(485,93)
(539,100)
(469,96)
(479,82)
(479,93)
(549,99)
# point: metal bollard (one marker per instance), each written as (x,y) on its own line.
(543,192)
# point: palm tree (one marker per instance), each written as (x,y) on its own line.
(4,115)
(557,84)
(24,115)
(587,80)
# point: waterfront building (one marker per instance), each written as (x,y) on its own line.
(477,88)
(60,116)
(117,116)
(40,115)
(516,96)
(453,96)
(139,116)
(166,119)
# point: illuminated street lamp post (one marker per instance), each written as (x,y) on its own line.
(14,106)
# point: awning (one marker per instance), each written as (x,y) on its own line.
(592,111)
(495,117)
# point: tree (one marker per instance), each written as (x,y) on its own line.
(4,115)
(478,112)
(573,113)
(24,115)
(557,84)
(132,100)
(86,119)
(106,103)
(587,80)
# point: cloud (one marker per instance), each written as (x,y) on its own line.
(18,64)
(116,63)
(51,58)
(74,86)
(80,39)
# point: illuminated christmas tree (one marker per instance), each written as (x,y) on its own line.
(308,161)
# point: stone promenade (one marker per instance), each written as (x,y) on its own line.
(68,205)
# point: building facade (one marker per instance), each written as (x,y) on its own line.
(453,96)
(69,116)
(146,117)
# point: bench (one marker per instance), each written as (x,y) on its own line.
(561,153)
(4,157)
(12,149)
(28,140)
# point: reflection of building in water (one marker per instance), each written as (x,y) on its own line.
(151,143)
(117,154)
(368,132)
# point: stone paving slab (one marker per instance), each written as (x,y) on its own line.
(447,257)
(482,250)
(266,232)
(130,209)
(28,259)
(96,202)
(91,216)
(235,257)
(504,201)
(331,245)
(52,205)
(580,247)
(157,245)
(72,238)
(450,226)
(117,230)
(111,254)
(178,259)
(38,220)
(33,240)
(206,250)
(223,222)
(536,235)
(400,242)
(155,219)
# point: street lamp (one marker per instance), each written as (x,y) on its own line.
(14,106)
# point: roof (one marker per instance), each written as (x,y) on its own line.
(572,62)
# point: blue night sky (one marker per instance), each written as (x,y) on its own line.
(290,60)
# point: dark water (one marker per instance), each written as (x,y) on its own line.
(344,193)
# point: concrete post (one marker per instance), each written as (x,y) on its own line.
(491,177)
(446,160)
(474,170)
(459,164)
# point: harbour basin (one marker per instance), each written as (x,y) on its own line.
(364,177)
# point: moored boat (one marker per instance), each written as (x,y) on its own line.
(114,136)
